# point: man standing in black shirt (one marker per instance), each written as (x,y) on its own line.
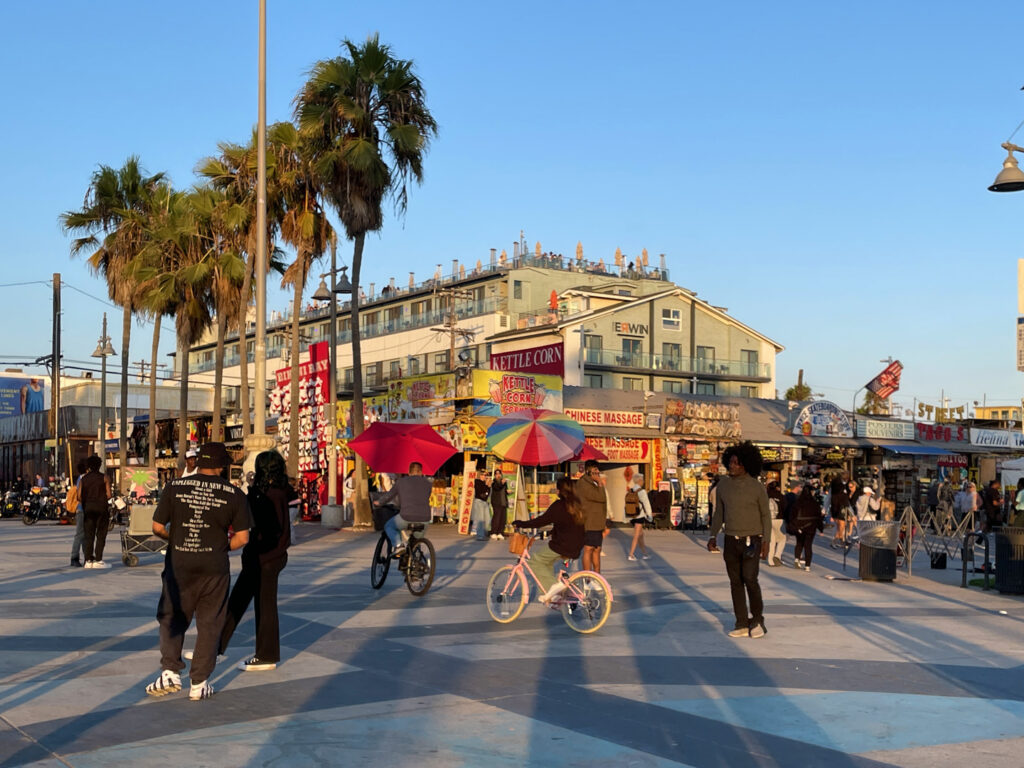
(194,515)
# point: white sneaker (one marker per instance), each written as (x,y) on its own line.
(807,568)
(90,564)
(494,537)
(200,691)
(556,589)
(632,557)
(168,682)
(646,557)
(257,665)
(100,564)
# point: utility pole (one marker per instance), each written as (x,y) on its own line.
(450,326)
(56,373)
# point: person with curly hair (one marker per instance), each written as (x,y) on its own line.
(263,559)
(742,510)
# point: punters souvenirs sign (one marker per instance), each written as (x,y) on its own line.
(696,418)
(885,430)
(496,393)
(547,360)
(821,418)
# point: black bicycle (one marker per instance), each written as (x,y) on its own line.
(417,561)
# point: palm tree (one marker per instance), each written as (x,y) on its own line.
(111,224)
(365,117)
(305,228)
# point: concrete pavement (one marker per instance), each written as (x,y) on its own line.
(915,673)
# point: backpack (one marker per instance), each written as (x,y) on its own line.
(632,503)
(72,500)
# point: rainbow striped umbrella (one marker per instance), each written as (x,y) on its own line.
(535,437)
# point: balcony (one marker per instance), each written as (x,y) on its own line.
(668,365)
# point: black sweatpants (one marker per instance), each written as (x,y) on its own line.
(805,544)
(184,597)
(256,581)
(96,524)
(743,572)
(498,520)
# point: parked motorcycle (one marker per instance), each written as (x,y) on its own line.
(11,506)
(41,504)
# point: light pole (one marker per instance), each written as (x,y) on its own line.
(330,517)
(103,351)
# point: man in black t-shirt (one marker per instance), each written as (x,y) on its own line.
(194,515)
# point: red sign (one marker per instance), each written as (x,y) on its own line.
(888,381)
(942,433)
(314,392)
(547,359)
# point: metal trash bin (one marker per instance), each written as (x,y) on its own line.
(878,542)
(1010,560)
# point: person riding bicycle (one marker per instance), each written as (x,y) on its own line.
(566,518)
(413,494)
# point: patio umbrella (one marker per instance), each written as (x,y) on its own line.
(393,446)
(588,452)
(535,437)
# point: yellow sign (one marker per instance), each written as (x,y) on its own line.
(496,393)
(940,415)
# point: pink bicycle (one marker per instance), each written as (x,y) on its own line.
(585,603)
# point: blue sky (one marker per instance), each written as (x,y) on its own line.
(818,168)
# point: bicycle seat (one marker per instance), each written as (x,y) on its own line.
(415,527)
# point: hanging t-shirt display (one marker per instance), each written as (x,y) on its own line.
(314,394)
(198,511)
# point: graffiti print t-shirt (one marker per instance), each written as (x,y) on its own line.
(199,510)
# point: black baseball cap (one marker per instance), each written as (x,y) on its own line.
(213,456)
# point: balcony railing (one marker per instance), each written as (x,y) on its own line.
(670,364)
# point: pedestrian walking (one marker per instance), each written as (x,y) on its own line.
(638,511)
(741,508)
(481,511)
(95,493)
(195,515)
(776,504)
(589,489)
(499,505)
(263,559)
(73,504)
(805,521)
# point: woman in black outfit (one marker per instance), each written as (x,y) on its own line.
(499,505)
(94,495)
(805,520)
(263,559)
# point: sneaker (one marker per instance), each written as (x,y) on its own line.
(100,564)
(494,537)
(807,568)
(632,558)
(556,589)
(257,665)
(90,564)
(777,561)
(798,564)
(168,682)
(757,631)
(200,691)
(646,557)
(740,632)
(76,563)
(398,551)
(501,537)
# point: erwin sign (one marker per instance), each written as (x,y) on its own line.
(547,360)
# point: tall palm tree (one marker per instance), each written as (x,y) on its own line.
(305,228)
(365,117)
(111,224)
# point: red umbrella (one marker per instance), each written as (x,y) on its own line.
(389,446)
(588,452)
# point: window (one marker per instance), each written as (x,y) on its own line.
(706,360)
(415,366)
(748,391)
(748,362)
(441,361)
(421,307)
(347,378)
(370,375)
(675,387)
(705,388)
(671,319)
(517,289)
(593,380)
(1004,414)
(632,353)
(395,369)
(671,356)
(592,346)
(632,383)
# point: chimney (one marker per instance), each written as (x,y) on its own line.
(661,262)
(412,280)
(455,268)
(373,289)
(391,284)
(494,256)
(515,250)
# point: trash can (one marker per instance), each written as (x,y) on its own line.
(1010,560)
(878,542)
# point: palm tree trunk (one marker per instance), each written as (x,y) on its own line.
(243,350)
(293,422)
(151,459)
(361,501)
(183,407)
(126,336)
(218,377)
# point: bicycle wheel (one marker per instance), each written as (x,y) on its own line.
(587,603)
(506,594)
(419,566)
(381,562)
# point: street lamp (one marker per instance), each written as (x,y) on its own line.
(338,285)
(1011,178)
(103,351)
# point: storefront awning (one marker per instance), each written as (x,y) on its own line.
(916,450)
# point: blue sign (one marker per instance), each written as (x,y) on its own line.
(23,394)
